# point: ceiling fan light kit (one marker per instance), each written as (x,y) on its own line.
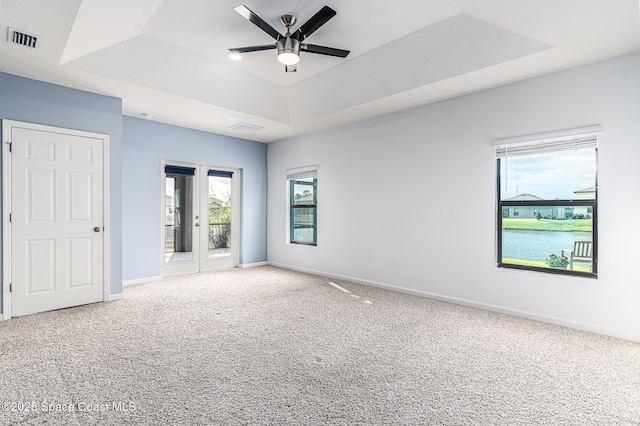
(289,45)
(288,51)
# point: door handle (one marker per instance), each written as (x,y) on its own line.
(197,224)
(96,229)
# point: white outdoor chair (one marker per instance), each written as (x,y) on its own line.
(581,253)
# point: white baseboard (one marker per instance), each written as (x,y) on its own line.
(252,265)
(116,296)
(465,302)
(141,281)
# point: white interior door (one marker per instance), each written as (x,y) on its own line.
(57,219)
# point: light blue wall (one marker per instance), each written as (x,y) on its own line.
(33,101)
(146,144)
(136,150)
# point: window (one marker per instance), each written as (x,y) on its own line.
(303,201)
(547,202)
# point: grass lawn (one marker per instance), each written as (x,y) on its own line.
(573,225)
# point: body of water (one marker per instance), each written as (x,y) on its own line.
(538,245)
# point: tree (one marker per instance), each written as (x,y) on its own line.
(220,226)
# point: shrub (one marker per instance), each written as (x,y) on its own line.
(556,261)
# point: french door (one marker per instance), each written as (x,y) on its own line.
(200,218)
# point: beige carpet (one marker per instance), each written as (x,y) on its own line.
(266,346)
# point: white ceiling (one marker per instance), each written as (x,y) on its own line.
(169,57)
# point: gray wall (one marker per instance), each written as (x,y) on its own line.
(146,144)
(33,101)
(392,186)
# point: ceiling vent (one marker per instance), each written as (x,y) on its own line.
(23,39)
(246,127)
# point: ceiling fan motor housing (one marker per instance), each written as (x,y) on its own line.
(288,46)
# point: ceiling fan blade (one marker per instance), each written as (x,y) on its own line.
(258,21)
(323,50)
(315,22)
(290,68)
(252,48)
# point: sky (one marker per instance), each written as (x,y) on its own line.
(550,176)
(220,187)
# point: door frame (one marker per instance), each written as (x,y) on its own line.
(7,126)
(199,191)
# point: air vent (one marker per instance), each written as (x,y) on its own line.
(23,39)
(246,127)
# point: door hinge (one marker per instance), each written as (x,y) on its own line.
(10,146)
(10,287)
(10,216)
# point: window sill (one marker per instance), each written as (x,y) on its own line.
(302,244)
(552,271)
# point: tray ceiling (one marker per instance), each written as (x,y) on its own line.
(169,57)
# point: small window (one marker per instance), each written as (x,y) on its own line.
(303,203)
(547,203)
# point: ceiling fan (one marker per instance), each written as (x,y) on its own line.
(291,44)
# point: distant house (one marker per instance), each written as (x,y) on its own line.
(532,212)
(168,203)
(306,197)
(584,194)
(216,205)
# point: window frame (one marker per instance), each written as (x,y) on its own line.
(558,138)
(295,180)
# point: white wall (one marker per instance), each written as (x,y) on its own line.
(417,189)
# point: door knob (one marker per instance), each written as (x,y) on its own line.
(96,229)
(197,224)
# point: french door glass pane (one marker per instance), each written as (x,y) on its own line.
(178,218)
(219,209)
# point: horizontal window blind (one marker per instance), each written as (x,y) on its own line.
(179,170)
(302,172)
(549,142)
(220,173)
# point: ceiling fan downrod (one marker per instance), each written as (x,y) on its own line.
(288,47)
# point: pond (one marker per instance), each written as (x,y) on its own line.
(538,245)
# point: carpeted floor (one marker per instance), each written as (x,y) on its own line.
(266,346)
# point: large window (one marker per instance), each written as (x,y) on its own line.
(303,201)
(547,203)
